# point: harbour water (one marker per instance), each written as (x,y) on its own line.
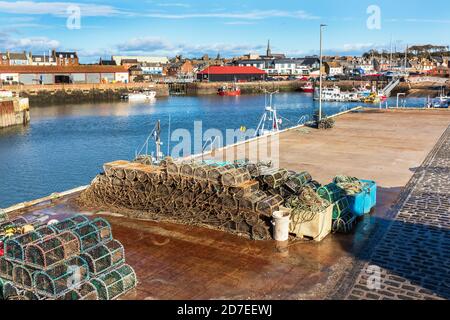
(65,146)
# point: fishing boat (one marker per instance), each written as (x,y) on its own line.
(138,96)
(308,87)
(226,91)
(334,94)
(270,122)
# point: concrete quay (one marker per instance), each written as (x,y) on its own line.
(392,147)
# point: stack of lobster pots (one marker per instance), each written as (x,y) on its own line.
(239,198)
(74,259)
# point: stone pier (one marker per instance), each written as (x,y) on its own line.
(14,111)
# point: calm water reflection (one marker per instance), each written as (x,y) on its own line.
(65,146)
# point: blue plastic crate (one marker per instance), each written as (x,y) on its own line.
(363,202)
(372,187)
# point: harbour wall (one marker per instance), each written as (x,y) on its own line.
(14,111)
(82,93)
(88,93)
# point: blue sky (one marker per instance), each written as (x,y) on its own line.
(232,27)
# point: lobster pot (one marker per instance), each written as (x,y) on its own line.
(269,205)
(315,185)
(70,223)
(20,221)
(345,223)
(119,171)
(216,172)
(86,291)
(234,178)
(188,168)
(274,178)
(331,192)
(61,278)
(1,288)
(229,202)
(50,251)
(144,173)
(45,231)
(131,171)
(23,276)
(6,269)
(341,208)
(104,257)
(249,202)
(113,284)
(246,188)
(174,167)
(93,233)
(109,168)
(15,247)
(9,291)
(296,182)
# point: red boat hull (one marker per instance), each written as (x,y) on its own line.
(308,90)
(233,93)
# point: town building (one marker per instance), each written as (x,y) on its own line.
(333,68)
(42,60)
(231,73)
(14,59)
(140,59)
(92,74)
(181,69)
(65,58)
(283,67)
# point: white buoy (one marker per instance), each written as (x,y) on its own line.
(281,221)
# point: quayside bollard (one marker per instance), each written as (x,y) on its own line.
(281,221)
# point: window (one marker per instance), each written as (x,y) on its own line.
(9,78)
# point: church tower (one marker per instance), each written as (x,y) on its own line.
(269,52)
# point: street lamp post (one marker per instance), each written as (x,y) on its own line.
(320,72)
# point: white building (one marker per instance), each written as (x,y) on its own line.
(141,59)
(279,66)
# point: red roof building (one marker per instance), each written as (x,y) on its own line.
(231,73)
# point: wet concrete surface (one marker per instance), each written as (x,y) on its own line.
(178,262)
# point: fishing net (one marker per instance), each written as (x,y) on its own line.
(305,207)
(350,185)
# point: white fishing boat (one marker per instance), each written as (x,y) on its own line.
(334,94)
(137,96)
(270,122)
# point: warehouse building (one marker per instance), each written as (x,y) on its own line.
(91,74)
(231,73)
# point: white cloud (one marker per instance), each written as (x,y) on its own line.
(55,8)
(27,44)
(177,4)
(251,15)
(357,47)
(153,45)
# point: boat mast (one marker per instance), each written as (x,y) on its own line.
(157,135)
